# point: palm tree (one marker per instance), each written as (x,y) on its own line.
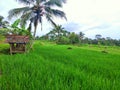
(81,36)
(1,18)
(3,24)
(35,10)
(98,37)
(59,31)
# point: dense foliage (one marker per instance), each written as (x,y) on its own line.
(66,37)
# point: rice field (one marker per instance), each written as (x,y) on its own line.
(60,67)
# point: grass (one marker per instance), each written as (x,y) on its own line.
(54,67)
(109,49)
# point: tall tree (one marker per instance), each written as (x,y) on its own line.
(3,23)
(98,37)
(1,18)
(57,32)
(74,38)
(36,9)
(58,29)
(81,36)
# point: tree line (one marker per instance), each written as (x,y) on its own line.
(33,12)
(61,36)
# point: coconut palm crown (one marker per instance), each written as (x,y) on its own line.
(34,10)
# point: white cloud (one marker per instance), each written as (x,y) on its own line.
(96,16)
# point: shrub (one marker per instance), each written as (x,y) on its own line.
(63,40)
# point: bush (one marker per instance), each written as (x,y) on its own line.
(63,40)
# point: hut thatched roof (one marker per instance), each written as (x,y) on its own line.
(17,39)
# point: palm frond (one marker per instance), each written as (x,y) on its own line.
(25,17)
(49,18)
(43,0)
(55,3)
(18,11)
(48,10)
(38,2)
(59,13)
(55,12)
(27,2)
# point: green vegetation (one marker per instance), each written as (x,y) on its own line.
(61,36)
(56,67)
(61,67)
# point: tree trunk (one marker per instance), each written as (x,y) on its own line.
(32,40)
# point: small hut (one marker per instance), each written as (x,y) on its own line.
(17,43)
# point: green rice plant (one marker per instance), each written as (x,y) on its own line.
(55,67)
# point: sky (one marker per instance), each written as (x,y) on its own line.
(88,16)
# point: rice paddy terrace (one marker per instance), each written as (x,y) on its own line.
(60,67)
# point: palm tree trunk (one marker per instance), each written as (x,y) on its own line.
(29,28)
(34,32)
(33,39)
